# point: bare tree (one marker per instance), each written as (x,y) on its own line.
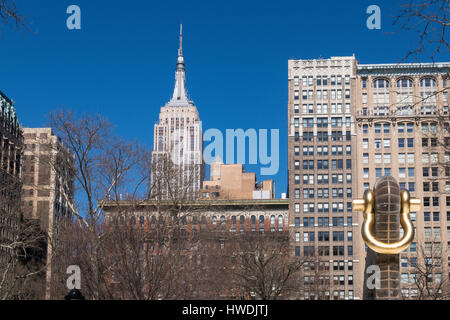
(429,280)
(430,19)
(22,249)
(103,167)
(258,265)
(9,14)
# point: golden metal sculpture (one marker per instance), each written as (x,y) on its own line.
(367,206)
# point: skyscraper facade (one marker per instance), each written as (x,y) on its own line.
(177,157)
(403,131)
(48,186)
(350,124)
(322,153)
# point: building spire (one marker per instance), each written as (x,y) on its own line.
(180,97)
(180,50)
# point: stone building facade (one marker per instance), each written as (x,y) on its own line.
(177,156)
(48,184)
(402,130)
(350,124)
(322,172)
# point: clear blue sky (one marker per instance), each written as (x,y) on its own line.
(122,62)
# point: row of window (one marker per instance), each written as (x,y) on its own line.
(322,94)
(336,122)
(386,128)
(434,232)
(309,179)
(324,236)
(386,143)
(321,80)
(402,83)
(336,251)
(427,216)
(402,172)
(323,207)
(215,220)
(321,108)
(322,193)
(309,222)
(323,136)
(324,164)
(322,150)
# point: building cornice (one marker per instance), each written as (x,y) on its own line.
(403,69)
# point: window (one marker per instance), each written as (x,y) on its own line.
(409,127)
(405,278)
(378,172)
(387,158)
(377,143)
(365,158)
(365,143)
(378,158)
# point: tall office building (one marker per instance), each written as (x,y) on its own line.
(11,146)
(350,124)
(177,155)
(322,167)
(48,185)
(403,131)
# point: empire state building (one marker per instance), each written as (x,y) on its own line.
(177,159)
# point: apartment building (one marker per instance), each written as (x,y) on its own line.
(402,131)
(48,184)
(230,181)
(322,166)
(11,146)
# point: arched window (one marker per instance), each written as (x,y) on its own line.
(141,221)
(272,223)
(280,223)
(153,222)
(428,96)
(242,223)
(381,97)
(222,221)
(404,83)
(405,96)
(214,220)
(233,223)
(381,83)
(261,223)
(133,221)
(121,220)
(203,223)
(427,83)
(253,223)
